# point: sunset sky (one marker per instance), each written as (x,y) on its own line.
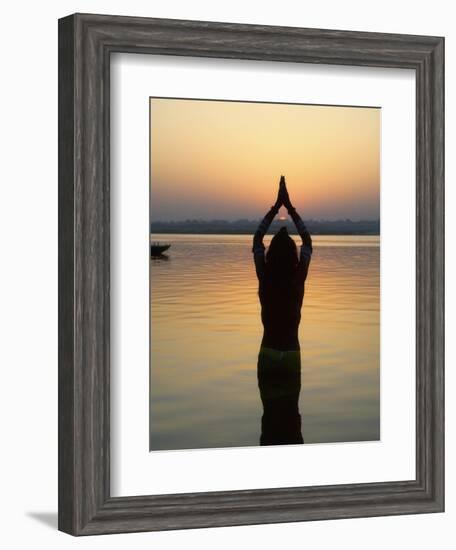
(221,159)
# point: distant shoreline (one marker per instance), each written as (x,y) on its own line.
(333,234)
(248,227)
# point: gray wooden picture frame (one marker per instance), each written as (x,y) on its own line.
(85,45)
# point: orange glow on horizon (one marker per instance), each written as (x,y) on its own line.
(222,159)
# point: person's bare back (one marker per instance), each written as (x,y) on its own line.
(281,276)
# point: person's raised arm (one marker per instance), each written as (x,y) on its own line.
(258,246)
(306,248)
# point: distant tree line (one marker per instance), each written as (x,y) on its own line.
(248,227)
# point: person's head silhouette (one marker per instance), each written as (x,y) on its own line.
(282,257)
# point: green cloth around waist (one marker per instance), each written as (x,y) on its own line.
(277,356)
(279,375)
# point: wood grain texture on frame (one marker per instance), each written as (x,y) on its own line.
(85,45)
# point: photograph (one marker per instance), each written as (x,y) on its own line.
(264,273)
(227,299)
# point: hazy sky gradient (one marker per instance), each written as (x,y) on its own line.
(220,159)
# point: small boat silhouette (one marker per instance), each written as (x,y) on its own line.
(156,249)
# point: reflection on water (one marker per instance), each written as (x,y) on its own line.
(208,388)
(279,382)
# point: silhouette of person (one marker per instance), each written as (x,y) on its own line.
(281,277)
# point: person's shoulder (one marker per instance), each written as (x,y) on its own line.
(306,251)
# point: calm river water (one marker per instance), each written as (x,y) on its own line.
(206,332)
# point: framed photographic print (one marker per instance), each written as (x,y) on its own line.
(210,303)
(251,294)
